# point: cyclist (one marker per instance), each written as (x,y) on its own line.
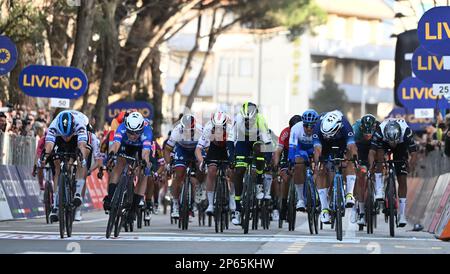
(300,149)
(363,129)
(214,138)
(280,161)
(249,132)
(67,132)
(334,130)
(152,188)
(184,139)
(133,136)
(395,134)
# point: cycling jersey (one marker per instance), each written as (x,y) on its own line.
(216,135)
(379,141)
(94,144)
(283,140)
(145,140)
(185,138)
(80,122)
(300,144)
(258,131)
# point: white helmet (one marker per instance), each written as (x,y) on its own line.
(331,123)
(135,122)
(219,118)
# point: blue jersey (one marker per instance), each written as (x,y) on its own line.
(345,133)
(145,140)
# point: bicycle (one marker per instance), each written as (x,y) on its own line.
(66,192)
(250,205)
(291,204)
(186,198)
(312,205)
(264,206)
(337,203)
(221,196)
(371,206)
(122,199)
(48,191)
(390,200)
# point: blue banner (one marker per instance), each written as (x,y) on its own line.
(31,187)
(146,109)
(8,55)
(434,30)
(429,67)
(408,116)
(15,194)
(414,93)
(53,81)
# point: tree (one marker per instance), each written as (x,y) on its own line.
(329,97)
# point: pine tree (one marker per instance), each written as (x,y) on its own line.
(329,97)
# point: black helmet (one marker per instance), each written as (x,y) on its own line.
(368,124)
(294,120)
(392,132)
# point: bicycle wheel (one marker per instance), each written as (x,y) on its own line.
(264,217)
(47,202)
(316,208)
(339,208)
(291,203)
(70,210)
(309,207)
(280,206)
(391,205)
(255,213)
(218,204)
(61,203)
(369,207)
(247,202)
(185,200)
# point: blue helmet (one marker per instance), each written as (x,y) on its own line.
(310,117)
(66,123)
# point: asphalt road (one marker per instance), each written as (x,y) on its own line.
(35,236)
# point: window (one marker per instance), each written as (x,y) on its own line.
(226,66)
(245,67)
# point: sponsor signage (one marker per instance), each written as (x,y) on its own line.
(146,109)
(8,55)
(430,67)
(434,30)
(415,123)
(414,93)
(53,81)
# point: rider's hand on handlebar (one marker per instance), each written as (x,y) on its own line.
(202,166)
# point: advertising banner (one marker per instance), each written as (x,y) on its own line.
(416,124)
(430,67)
(31,187)
(8,55)
(53,81)
(15,194)
(98,189)
(434,30)
(5,211)
(415,93)
(115,108)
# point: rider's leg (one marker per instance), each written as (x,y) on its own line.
(299,180)
(351,175)
(55,183)
(210,185)
(284,191)
(114,177)
(180,172)
(379,157)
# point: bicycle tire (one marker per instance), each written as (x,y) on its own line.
(369,207)
(280,220)
(185,204)
(61,203)
(391,204)
(69,211)
(218,204)
(338,212)
(291,206)
(47,202)
(255,213)
(309,207)
(139,218)
(248,203)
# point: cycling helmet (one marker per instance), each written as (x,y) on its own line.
(249,110)
(188,122)
(331,124)
(294,120)
(310,117)
(392,132)
(134,123)
(66,123)
(219,118)
(368,124)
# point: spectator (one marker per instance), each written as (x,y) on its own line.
(3,122)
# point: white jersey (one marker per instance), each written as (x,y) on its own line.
(298,137)
(95,146)
(401,122)
(217,135)
(80,122)
(185,138)
(258,131)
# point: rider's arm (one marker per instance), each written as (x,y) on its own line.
(412,148)
(317,143)
(375,144)
(147,145)
(170,145)
(203,143)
